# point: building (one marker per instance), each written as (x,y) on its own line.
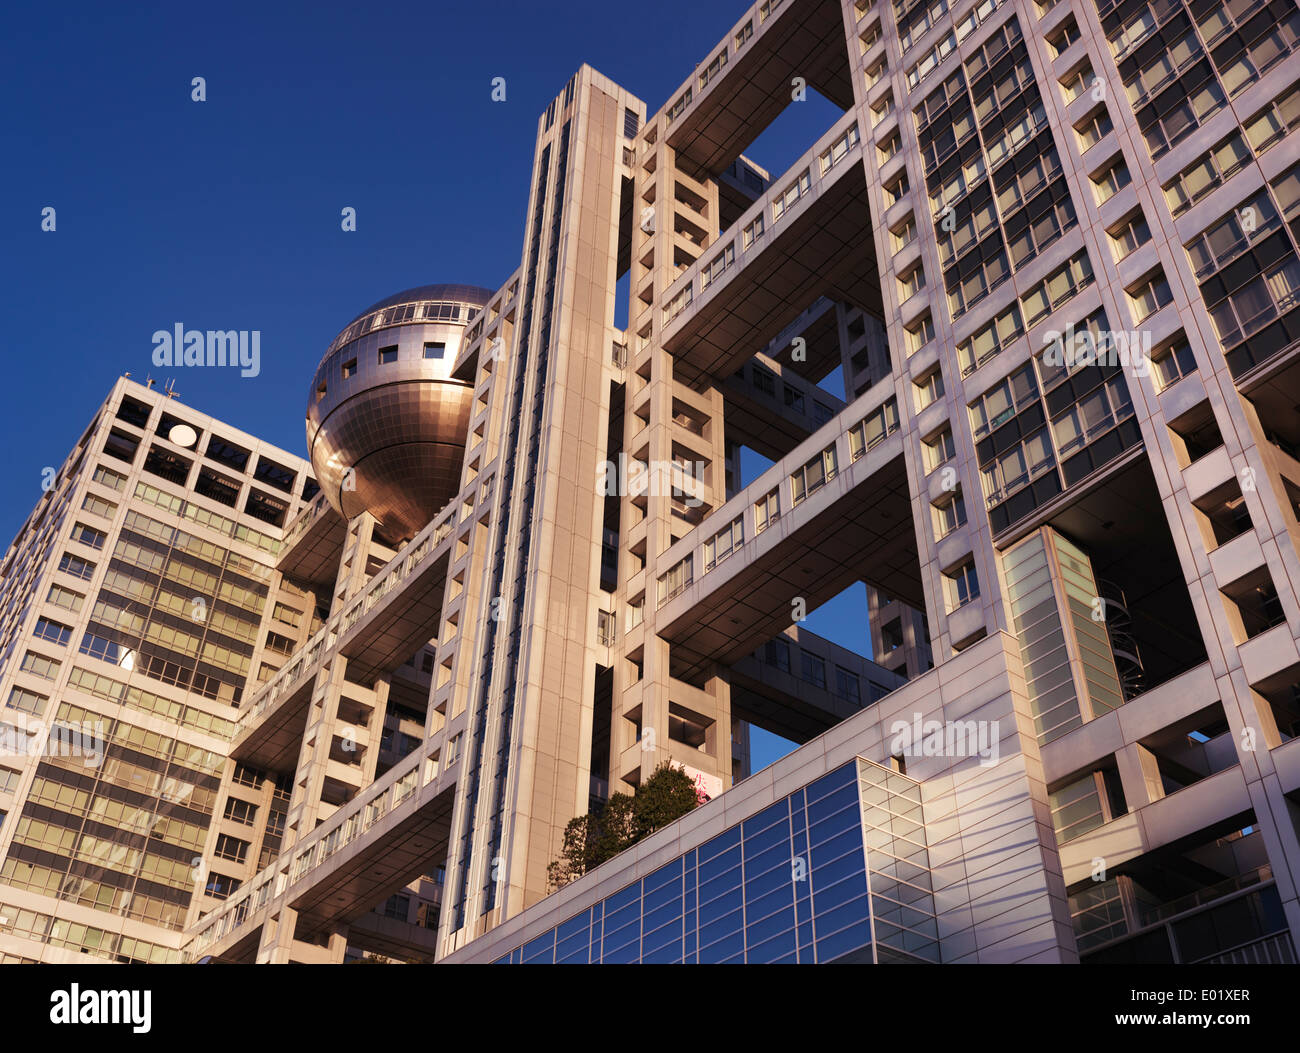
(1051,251)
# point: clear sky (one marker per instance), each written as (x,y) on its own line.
(225,214)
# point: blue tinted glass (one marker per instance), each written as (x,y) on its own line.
(841,776)
(772,837)
(668,894)
(665,875)
(725,840)
(776,862)
(712,930)
(719,886)
(581,923)
(665,955)
(719,864)
(723,950)
(852,938)
(770,950)
(830,921)
(761,907)
(669,912)
(767,817)
(665,934)
(830,805)
(847,844)
(625,934)
(623,955)
(540,949)
(622,898)
(828,897)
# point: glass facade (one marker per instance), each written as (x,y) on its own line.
(811,878)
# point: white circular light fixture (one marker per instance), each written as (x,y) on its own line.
(183,435)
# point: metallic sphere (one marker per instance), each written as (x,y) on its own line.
(386,422)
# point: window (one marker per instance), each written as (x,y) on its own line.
(776,653)
(52,631)
(882,109)
(904,234)
(1093,415)
(765,381)
(1172,363)
(767,510)
(1286,188)
(240,811)
(938,449)
(717,265)
(1271,124)
(1111,180)
(1036,234)
(1013,469)
(1129,233)
(985,344)
(434,349)
(1003,401)
(812,669)
(963,585)
(846,684)
(724,543)
(792,194)
(919,333)
(793,397)
(89,536)
(710,71)
(1247,309)
(65,598)
(896,189)
(1233,235)
(1093,128)
(230,848)
(78,568)
(948,515)
(39,665)
(981,279)
(246,776)
(752,232)
(282,612)
(676,580)
(1064,37)
(911,283)
(349,368)
(1057,289)
(26,701)
(1077,81)
(813,475)
(1149,295)
(873,429)
(889,147)
(220,886)
(108,477)
(929,388)
(1206,173)
(1180,110)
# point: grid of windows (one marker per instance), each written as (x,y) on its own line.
(787,885)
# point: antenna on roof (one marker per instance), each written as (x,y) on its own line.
(172,393)
(149,381)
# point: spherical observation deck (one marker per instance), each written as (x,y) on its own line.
(386,422)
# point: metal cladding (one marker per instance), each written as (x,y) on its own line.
(386,421)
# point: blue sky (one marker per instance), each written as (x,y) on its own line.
(225,214)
